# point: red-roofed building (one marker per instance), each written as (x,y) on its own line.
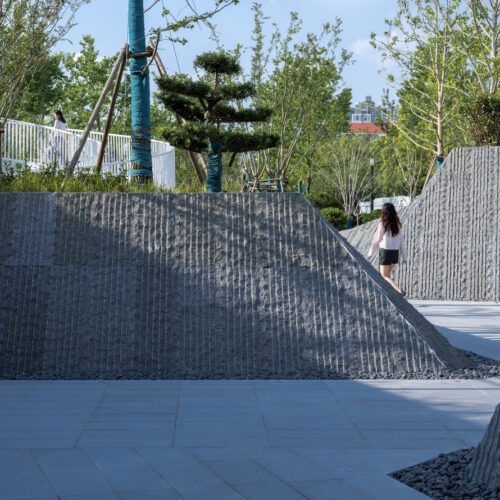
(366,128)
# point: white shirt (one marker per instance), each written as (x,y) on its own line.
(387,241)
(59,125)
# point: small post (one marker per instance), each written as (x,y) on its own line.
(109,118)
(372,196)
(350,220)
(439,161)
(93,117)
(308,189)
(278,184)
(2,131)
(300,186)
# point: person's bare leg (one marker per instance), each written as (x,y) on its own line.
(385,271)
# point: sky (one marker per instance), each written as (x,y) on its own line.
(106,21)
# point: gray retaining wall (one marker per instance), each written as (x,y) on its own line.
(485,467)
(168,285)
(452,231)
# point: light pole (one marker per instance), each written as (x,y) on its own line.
(372,199)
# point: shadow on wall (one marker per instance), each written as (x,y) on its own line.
(193,286)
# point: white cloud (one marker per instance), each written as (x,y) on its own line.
(362,48)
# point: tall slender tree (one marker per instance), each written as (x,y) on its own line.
(209,115)
(142,164)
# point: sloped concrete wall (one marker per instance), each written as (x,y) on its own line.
(164,285)
(485,467)
(452,231)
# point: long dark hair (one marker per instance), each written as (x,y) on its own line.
(389,219)
(59,115)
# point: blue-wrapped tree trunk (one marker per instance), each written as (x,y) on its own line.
(142,165)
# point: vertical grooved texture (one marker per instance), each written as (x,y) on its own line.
(197,286)
(452,231)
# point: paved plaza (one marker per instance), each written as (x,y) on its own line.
(261,439)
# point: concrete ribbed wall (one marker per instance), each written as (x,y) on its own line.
(452,231)
(485,467)
(165,285)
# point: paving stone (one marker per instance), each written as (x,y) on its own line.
(70,472)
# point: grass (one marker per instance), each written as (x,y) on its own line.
(19,178)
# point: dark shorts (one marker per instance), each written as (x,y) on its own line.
(387,257)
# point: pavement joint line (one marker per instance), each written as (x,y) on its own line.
(345,413)
(43,473)
(261,414)
(96,467)
(251,459)
(177,407)
(91,416)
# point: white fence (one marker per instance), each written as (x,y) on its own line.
(33,145)
(398,202)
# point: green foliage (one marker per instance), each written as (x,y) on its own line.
(195,136)
(87,73)
(204,107)
(323,200)
(298,76)
(42,92)
(482,116)
(217,62)
(49,179)
(335,216)
(364,218)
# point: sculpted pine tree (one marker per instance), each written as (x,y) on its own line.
(209,114)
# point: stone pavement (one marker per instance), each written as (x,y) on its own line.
(472,326)
(262,439)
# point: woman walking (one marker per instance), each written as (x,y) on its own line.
(389,238)
(57,141)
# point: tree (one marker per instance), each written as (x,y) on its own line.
(86,75)
(300,81)
(419,42)
(140,158)
(42,91)
(28,29)
(476,34)
(205,108)
(348,170)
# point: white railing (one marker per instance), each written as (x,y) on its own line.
(36,145)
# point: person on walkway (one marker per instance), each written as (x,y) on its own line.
(389,240)
(57,141)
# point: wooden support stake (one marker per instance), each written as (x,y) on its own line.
(197,159)
(94,115)
(109,119)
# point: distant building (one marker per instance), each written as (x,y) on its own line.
(365,112)
(363,117)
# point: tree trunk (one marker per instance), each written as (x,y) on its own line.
(142,164)
(214,168)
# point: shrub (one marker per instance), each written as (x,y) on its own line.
(482,116)
(323,200)
(335,216)
(364,218)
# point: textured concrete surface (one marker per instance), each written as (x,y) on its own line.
(262,439)
(471,326)
(196,286)
(485,467)
(452,231)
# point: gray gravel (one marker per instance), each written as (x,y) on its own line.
(445,477)
(482,367)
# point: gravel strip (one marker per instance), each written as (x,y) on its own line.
(445,477)
(482,367)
